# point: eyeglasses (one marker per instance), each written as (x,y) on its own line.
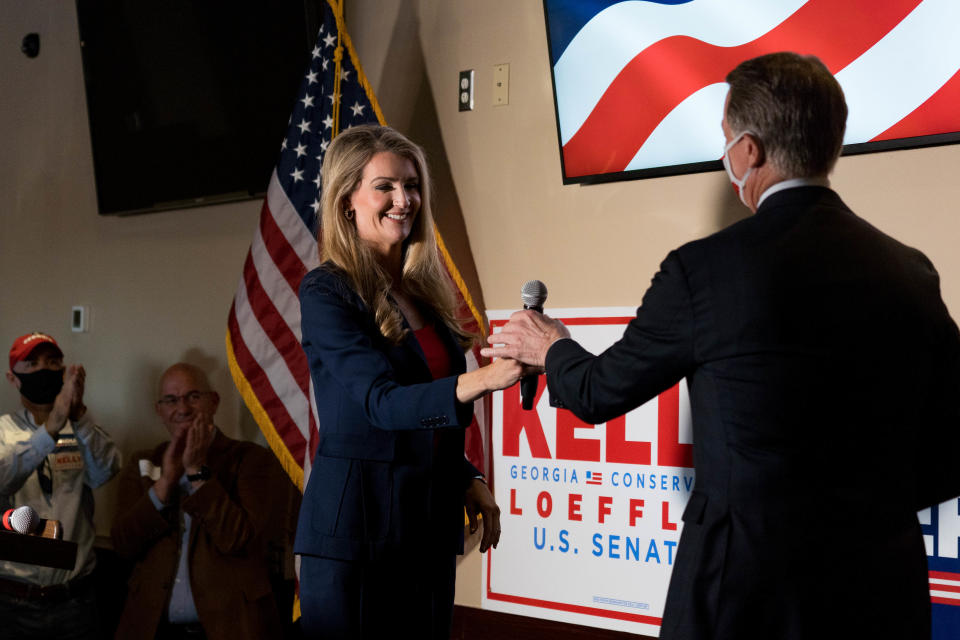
(192,398)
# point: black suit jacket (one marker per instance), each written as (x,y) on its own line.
(389,475)
(823,375)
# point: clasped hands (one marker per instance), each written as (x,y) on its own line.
(526,337)
(69,402)
(521,348)
(187,452)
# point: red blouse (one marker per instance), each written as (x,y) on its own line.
(438,358)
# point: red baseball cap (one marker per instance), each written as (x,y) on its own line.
(24,345)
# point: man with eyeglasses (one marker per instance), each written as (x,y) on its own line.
(196,514)
(52,455)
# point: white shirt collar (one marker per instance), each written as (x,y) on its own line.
(28,418)
(790,184)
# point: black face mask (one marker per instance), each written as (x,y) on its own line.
(41,386)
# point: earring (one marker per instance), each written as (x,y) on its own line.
(348,214)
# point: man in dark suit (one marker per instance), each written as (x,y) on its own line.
(196,514)
(823,371)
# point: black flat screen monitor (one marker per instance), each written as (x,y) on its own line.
(188,100)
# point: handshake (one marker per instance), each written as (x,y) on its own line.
(527,337)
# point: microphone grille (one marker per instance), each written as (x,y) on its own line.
(23,519)
(533,293)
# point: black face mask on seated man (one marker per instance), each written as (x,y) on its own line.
(41,387)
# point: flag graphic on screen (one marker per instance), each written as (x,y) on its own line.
(594,477)
(641,84)
(263,326)
(945,587)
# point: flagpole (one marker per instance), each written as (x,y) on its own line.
(337,58)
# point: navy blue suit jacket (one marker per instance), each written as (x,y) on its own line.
(389,473)
(824,373)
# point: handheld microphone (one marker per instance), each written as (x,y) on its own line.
(534,294)
(23,519)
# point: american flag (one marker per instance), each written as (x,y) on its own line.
(640,83)
(941,537)
(263,327)
(594,477)
(945,587)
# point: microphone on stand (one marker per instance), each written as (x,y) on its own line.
(23,519)
(534,294)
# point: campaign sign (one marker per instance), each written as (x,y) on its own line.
(590,513)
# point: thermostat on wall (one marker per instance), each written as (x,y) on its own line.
(79,318)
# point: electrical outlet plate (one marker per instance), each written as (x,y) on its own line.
(466,90)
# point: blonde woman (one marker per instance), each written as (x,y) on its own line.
(382,515)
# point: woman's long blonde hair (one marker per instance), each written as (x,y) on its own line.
(423,276)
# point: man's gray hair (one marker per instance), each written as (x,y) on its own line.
(795,106)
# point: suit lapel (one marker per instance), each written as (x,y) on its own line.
(412,346)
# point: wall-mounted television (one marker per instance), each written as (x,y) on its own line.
(188,101)
(639,86)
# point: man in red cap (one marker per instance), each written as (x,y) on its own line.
(52,455)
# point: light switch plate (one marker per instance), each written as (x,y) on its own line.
(79,319)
